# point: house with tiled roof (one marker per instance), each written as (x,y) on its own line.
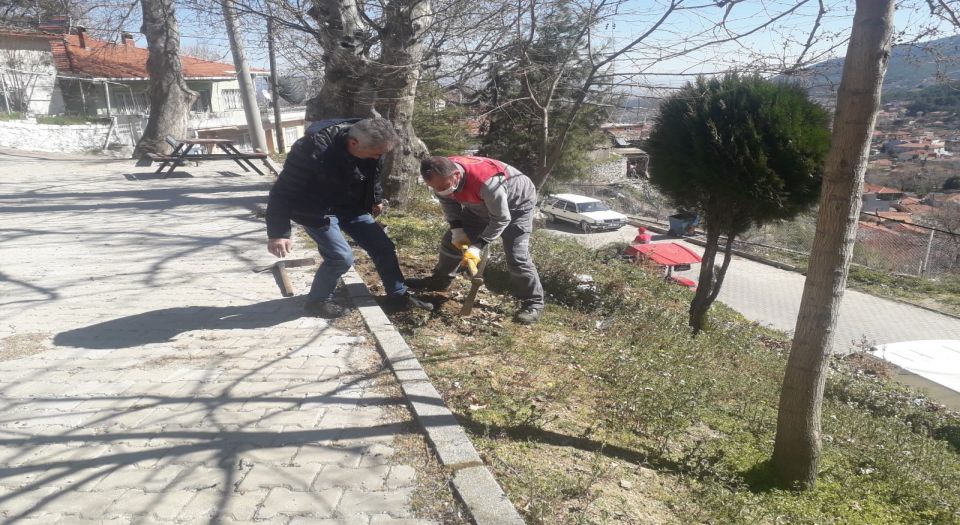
(27,73)
(880,198)
(105,78)
(94,78)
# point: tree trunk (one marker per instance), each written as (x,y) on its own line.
(356,87)
(403,50)
(542,172)
(701,299)
(170,98)
(796,453)
(349,79)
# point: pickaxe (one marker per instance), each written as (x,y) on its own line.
(476,281)
(280,271)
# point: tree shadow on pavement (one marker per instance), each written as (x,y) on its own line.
(149,175)
(57,471)
(141,455)
(158,326)
(146,198)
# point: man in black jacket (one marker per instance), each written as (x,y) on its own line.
(330,184)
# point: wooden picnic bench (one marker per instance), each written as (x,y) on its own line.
(182,149)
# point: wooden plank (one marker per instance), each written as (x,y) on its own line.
(206,141)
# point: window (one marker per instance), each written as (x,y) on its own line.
(290,136)
(592,206)
(127,103)
(202,104)
(231,99)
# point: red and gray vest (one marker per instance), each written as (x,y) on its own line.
(476,172)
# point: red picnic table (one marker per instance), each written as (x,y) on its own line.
(672,255)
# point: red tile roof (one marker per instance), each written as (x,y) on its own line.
(900,227)
(916,209)
(99,59)
(18,33)
(876,188)
(894,215)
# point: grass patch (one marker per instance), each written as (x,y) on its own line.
(609,412)
(11,116)
(941,293)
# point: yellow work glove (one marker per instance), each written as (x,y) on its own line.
(471,259)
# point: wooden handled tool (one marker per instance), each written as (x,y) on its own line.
(280,272)
(476,281)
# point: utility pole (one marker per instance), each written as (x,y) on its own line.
(281,143)
(247,92)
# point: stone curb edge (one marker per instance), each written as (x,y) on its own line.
(472,482)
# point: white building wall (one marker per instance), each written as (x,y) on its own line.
(217,103)
(30,136)
(27,64)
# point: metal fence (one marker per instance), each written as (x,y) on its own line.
(129,128)
(888,245)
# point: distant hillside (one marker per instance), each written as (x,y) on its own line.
(912,67)
(633,108)
(944,96)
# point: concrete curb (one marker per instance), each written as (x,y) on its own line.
(472,481)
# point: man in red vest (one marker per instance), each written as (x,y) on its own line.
(484,199)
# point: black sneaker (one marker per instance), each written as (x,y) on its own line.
(528,315)
(407,301)
(433,283)
(326,309)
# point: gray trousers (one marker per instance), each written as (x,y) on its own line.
(516,246)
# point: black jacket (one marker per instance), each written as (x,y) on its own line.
(321,178)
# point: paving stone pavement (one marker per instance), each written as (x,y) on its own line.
(147,375)
(771,296)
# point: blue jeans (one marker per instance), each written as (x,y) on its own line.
(338,257)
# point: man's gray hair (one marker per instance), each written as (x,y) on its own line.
(374,133)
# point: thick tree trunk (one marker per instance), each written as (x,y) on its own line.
(797,448)
(170,98)
(349,79)
(403,50)
(354,86)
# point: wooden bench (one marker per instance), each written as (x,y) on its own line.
(182,154)
(156,157)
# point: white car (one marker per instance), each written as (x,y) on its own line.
(587,213)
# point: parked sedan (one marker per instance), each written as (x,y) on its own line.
(587,213)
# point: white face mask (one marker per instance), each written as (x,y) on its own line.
(447,191)
(450,190)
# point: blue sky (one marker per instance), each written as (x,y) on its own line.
(782,41)
(777,45)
